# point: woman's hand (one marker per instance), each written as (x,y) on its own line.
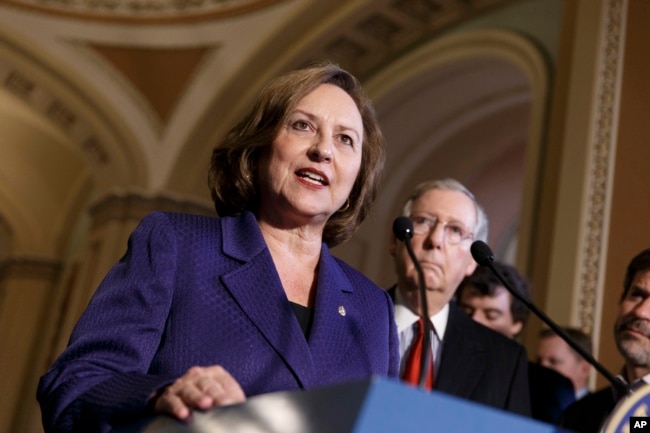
(199,388)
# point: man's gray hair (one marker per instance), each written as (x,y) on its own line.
(480,230)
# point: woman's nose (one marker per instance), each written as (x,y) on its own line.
(321,150)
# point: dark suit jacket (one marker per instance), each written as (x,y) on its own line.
(482,365)
(195,290)
(550,393)
(588,414)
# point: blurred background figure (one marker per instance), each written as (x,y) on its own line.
(484,298)
(553,352)
(632,336)
(487,301)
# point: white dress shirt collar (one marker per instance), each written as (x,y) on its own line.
(405,318)
(582,392)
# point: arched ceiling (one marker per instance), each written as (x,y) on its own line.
(137,92)
(479,135)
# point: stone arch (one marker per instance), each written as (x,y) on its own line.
(429,140)
(61,148)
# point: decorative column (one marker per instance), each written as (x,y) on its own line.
(41,299)
(26,286)
(112,219)
(573,223)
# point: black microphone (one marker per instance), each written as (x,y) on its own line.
(484,257)
(403,230)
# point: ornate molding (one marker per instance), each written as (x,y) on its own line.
(602,151)
(146,11)
(66,119)
(29,267)
(120,206)
(390,28)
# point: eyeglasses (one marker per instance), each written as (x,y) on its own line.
(454,232)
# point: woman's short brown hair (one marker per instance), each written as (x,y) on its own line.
(233,167)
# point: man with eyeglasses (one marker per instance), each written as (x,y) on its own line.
(469,360)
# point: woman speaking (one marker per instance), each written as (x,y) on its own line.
(206,311)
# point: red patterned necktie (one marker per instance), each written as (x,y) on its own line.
(413,361)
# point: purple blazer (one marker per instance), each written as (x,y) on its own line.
(194,290)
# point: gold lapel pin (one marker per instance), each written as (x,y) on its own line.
(341,310)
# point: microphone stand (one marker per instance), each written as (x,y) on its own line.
(426,352)
(484,257)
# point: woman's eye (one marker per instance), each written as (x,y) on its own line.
(347,140)
(301,124)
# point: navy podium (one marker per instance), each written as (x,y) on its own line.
(372,406)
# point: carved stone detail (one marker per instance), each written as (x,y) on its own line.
(389,28)
(599,172)
(120,206)
(151,9)
(29,267)
(64,117)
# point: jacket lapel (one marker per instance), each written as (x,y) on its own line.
(334,315)
(256,286)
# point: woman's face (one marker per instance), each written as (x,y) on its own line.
(309,170)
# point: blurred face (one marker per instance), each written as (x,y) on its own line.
(553,352)
(309,170)
(632,328)
(491,311)
(444,265)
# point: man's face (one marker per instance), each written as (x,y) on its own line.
(632,328)
(554,353)
(444,265)
(492,311)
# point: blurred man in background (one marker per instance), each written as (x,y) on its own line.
(485,299)
(632,335)
(553,352)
